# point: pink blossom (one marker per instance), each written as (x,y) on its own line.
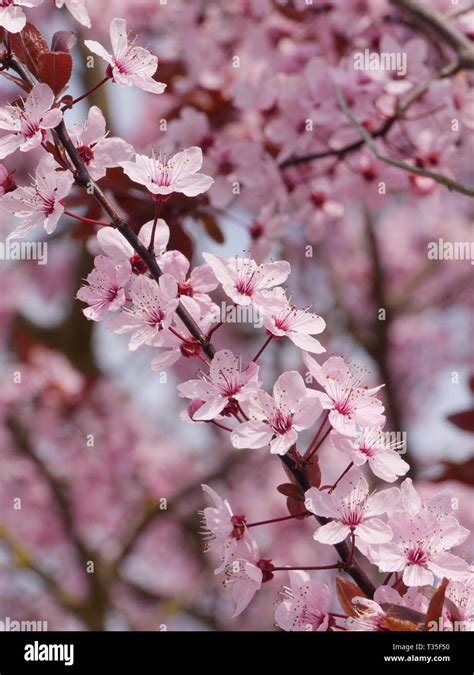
(78,10)
(276,420)
(244,578)
(152,310)
(420,548)
(128,65)
(224,531)
(370,616)
(412,599)
(115,246)
(242,279)
(226,385)
(306,604)
(106,288)
(372,446)
(12,17)
(281,318)
(461,595)
(349,403)
(97,150)
(40,203)
(163,176)
(193,290)
(29,123)
(352,510)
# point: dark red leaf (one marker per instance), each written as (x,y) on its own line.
(28,45)
(399,625)
(463,472)
(290,490)
(211,227)
(55,68)
(463,420)
(296,507)
(314,472)
(435,608)
(346,591)
(63,41)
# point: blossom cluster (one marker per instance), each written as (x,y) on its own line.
(142,287)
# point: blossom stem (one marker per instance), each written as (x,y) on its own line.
(86,220)
(318,445)
(221,426)
(336,566)
(151,245)
(246,418)
(351,555)
(262,348)
(276,520)
(316,436)
(387,579)
(213,329)
(332,487)
(86,94)
(176,333)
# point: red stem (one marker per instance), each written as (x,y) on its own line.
(316,448)
(87,93)
(262,349)
(151,245)
(276,520)
(86,220)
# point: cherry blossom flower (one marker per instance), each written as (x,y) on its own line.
(106,288)
(419,548)
(461,595)
(7,180)
(193,290)
(116,247)
(306,604)
(372,446)
(12,17)
(128,65)
(242,279)
(152,310)
(29,123)
(162,176)
(40,203)
(224,531)
(349,403)
(412,598)
(276,420)
(281,318)
(245,578)
(175,347)
(97,151)
(370,616)
(78,10)
(226,386)
(353,510)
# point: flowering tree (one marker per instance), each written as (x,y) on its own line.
(319,150)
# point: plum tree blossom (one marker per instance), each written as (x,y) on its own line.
(78,10)
(116,247)
(227,386)
(39,203)
(371,446)
(106,288)
(194,289)
(28,124)
(12,17)
(162,176)
(349,403)
(242,279)
(128,64)
(305,606)
(223,530)
(420,548)
(352,510)
(276,420)
(281,318)
(244,578)
(98,151)
(151,312)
